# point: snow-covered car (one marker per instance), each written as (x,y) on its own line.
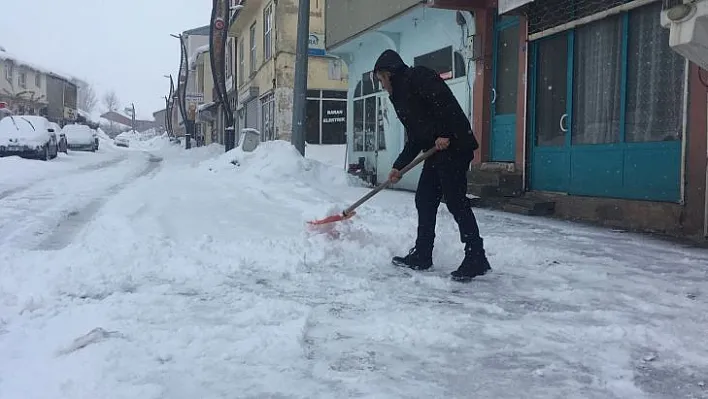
(121,141)
(79,137)
(28,137)
(42,123)
(62,145)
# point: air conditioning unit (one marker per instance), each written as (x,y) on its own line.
(688,26)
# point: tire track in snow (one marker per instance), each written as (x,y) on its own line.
(67,229)
(83,169)
(28,216)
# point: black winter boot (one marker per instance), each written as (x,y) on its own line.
(475,264)
(416,260)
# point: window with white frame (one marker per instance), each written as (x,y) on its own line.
(22,79)
(252,59)
(241,61)
(229,58)
(449,64)
(8,72)
(38,79)
(369,106)
(268,32)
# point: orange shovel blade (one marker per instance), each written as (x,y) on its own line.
(332,219)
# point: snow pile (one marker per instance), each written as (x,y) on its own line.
(331,154)
(277,161)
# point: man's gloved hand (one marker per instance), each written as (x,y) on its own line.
(441,143)
(394,175)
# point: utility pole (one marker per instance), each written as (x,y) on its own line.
(300,90)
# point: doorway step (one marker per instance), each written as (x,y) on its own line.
(500,186)
(494,180)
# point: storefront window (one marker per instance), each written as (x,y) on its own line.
(334,122)
(312,122)
(326,121)
(655,79)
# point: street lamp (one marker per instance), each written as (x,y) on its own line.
(169,107)
(182,90)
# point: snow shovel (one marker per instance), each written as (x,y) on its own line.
(349,212)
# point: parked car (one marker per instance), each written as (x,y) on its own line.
(121,141)
(20,136)
(42,123)
(62,144)
(79,137)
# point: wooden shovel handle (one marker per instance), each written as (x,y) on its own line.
(387,183)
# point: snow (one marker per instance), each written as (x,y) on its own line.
(330,154)
(200,279)
(18,173)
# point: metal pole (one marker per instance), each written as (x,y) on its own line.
(133,114)
(300,90)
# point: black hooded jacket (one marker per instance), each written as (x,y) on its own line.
(427,108)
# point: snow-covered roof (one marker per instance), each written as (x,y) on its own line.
(195,56)
(4,55)
(104,121)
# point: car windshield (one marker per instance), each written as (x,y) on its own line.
(16,126)
(36,121)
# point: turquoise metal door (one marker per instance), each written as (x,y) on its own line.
(550,94)
(505,73)
(579,85)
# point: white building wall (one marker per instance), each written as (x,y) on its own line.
(420,32)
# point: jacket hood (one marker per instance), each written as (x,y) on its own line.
(389,61)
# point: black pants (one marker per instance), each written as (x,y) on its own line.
(445,174)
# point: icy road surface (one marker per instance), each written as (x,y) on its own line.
(200,280)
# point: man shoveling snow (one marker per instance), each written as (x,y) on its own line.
(432,117)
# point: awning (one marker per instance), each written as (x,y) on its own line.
(206,112)
(508,5)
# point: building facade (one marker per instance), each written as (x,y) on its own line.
(266,33)
(27,89)
(62,95)
(23,87)
(160,121)
(579,103)
(206,113)
(422,36)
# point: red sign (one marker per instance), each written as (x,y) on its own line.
(3,104)
(219,24)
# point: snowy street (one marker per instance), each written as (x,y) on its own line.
(157,272)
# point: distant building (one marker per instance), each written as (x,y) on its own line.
(33,90)
(140,125)
(266,33)
(159,117)
(62,97)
